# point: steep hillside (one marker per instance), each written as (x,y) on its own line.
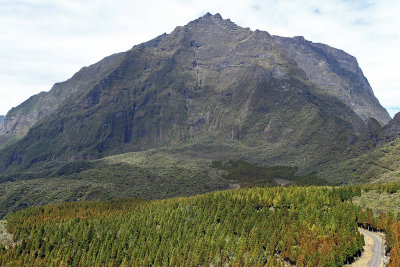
(391,130)
(1,118)
(209,80)
(380,157)
(380,165)
(20,119)
(336,73)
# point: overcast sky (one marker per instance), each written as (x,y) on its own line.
(46,41)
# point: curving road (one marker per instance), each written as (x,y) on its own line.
(377,249)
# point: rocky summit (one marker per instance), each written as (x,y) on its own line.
(208,91)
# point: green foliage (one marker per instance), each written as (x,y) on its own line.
(307,226)
(375,165)
(380,198)
(247,174)
(145,175)
(75,167)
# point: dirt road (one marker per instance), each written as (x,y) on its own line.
(373,250)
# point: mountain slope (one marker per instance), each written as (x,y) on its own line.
(336,73)
(145,175)
(380,157)
(391,131)
(20,119)
(209,78)
(1,118)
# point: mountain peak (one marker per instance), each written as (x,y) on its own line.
(209,15)
(209,19)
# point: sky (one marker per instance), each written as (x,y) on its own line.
(46,41)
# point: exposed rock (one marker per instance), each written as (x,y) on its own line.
(336,73)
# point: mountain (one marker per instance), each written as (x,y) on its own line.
(208,91)
(1,118)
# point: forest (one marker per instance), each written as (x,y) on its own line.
(306,226)
(270,226)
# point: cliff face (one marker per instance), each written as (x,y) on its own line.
(336,73)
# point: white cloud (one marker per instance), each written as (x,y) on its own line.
(46,41)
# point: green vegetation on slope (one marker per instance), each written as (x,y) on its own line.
(247,174)
(380,198)
(377,165)
(383,217)
(309,226)
(145,175)
(151,174)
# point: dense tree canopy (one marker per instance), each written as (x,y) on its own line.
(309,226)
